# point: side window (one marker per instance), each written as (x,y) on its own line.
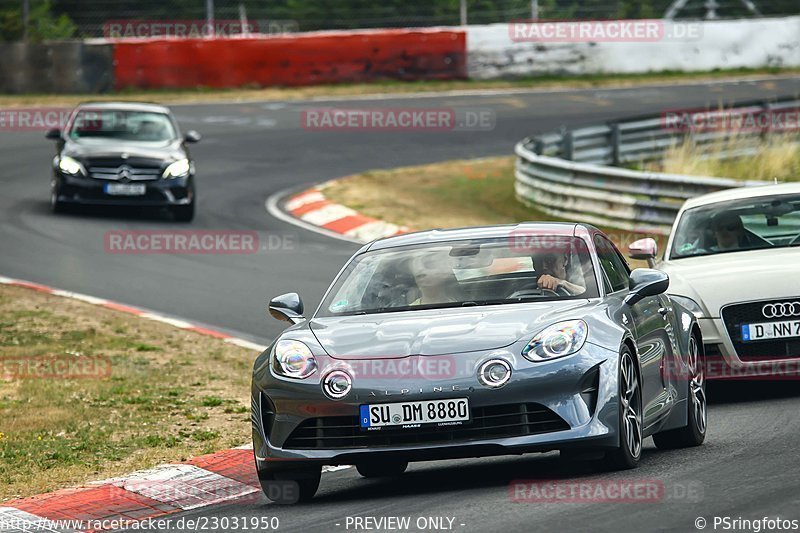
(614,266)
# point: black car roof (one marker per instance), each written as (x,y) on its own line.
(126,106)
(479,232)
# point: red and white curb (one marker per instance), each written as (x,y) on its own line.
(175,322)
(313,208)
(156,492)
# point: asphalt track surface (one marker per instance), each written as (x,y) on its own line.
(749,466)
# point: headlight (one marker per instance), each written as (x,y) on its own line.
(558,340)
(689,304)
(67,165)
(293,359)
(178,169)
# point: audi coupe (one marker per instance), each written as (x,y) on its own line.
(733,258)
(477,342)
(117,153)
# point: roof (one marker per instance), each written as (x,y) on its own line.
(742,192)
(126,106)
(478,232)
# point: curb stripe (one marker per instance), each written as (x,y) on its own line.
(312,207)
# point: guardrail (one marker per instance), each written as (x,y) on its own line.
(567,174)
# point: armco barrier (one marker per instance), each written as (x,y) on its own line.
(329,57)
(564,174)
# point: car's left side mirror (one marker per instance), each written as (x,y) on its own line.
(191,137)
(644,250)
(53,135)
(646,282)
(287,307)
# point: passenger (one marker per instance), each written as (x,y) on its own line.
(553,274)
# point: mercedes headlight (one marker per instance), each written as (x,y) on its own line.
(558,340)
(178,169)
(293,359)
(689,304)
(70,166)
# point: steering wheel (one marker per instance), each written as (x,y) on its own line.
(537,291)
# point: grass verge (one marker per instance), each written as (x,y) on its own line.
(393,87)
(779,158)
(137,393)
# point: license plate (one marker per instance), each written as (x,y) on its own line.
(125,189)
(413,414)
(771,330)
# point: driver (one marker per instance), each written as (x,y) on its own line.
(554,274)
(729,232)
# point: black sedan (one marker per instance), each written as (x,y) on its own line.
(123,154)
(476,342)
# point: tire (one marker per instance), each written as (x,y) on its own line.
(290,486)
(184,213)
(694,432)
(627,455)
(56,206)
(382,468)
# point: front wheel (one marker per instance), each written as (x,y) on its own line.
(184,213)
(694,432)
(382,469)
(290,486)
(629,451)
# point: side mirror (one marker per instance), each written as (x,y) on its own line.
(646,282)
(287,307)
(53,135)
(644,250)
(191,137)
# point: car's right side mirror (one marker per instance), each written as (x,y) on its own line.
(53,135)
(287,307)
(646,282)
(644,250)
(191,137)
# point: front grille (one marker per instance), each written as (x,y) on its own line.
(497,421)
(734,316)
(139,169)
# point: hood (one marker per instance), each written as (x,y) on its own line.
(721,279)
(89,150)
(437,331)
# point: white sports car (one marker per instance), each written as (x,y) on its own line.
(733,258)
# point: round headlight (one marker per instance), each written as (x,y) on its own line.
(337,384)
(70,166)
(293,359)
(494,373)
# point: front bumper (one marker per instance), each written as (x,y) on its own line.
(587,419)
(722,361)
(90,191)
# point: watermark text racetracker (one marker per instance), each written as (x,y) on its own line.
(610,31)
(201,523)
(61,366)
(398,119)
(605,491)
(225,242)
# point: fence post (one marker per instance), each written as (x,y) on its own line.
(615,144)
(567,144)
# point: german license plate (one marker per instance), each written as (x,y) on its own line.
(771,330)
(125,189)
(413,414)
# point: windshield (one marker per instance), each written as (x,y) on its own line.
(737,225)
(462,273)
(142,126)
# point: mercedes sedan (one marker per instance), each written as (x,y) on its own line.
(476,342)
(128,154)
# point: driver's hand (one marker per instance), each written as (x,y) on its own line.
(546,281)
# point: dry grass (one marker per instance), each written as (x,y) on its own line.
(393,87)
(777,159)
(170,394)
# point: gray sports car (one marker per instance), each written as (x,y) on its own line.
(476,342)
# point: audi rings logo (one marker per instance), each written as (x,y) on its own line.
(784,310)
